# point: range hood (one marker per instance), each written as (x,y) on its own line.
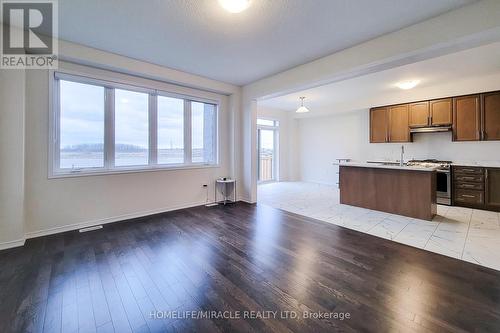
(430,129)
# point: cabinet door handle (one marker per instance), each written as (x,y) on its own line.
(468,196)
(486,174)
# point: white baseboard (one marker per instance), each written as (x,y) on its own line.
(246,200)
(76,226)
(12,244)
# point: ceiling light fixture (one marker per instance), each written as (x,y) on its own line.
(405,85)
(234,6)
(302,108)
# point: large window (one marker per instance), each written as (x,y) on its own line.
(101,127)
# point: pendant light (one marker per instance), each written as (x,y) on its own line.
(302,108)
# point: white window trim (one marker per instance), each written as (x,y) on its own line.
(109,127)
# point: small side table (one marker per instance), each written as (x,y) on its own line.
(224,183)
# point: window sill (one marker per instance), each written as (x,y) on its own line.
(118,171)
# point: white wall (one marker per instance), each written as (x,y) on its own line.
(68,203)
(288,154)
(12,86)
(346,135)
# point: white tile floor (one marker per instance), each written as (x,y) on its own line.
(462,233)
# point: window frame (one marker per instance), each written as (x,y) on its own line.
(109,85)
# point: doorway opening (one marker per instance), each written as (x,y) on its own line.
(267,146)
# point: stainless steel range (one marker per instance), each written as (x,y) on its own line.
(443,183)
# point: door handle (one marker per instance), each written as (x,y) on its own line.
(468,196)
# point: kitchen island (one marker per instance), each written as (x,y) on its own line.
(402,190)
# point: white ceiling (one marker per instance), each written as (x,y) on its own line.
(469,71)
(199,37)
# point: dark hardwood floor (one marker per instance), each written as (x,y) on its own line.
(239,258)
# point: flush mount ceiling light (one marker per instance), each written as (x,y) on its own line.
(302,108)
(234,6)
(405,85)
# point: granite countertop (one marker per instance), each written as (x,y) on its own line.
(385,166)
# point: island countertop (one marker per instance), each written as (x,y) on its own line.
(402,190)
(385,165)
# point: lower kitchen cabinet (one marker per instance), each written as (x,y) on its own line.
(469,197)
(492,188)
(476,187)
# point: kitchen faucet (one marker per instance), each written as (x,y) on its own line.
(402,156)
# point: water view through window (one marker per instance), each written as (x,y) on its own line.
(131,128)
(170,130)
(100,127)
(81,126)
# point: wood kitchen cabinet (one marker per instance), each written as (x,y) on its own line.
(468,186)
(441,112)
(437,112)
(419,114)
(491,116)
(398,123)
(389,124)
(492,188)
(473,118)
(476,187)
(378,125)
(467,118)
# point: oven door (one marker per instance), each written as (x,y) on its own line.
(443,187)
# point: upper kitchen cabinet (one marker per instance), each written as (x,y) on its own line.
(389,124)
(467,118)
(491,116)
(473,118)
(378,125)
(398,123)
(441,112)
(419,114)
